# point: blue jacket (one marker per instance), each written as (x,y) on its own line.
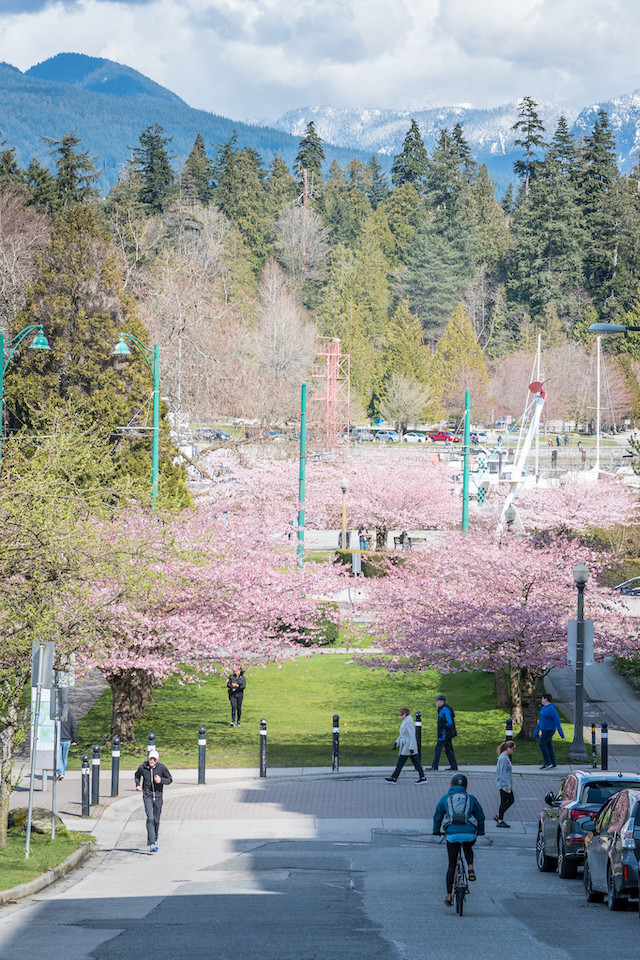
(445,721)
(459,832)
(549,719)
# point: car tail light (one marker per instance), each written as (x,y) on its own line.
(576,814)
(626,872)
(628,840)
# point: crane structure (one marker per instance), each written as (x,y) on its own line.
(330,395)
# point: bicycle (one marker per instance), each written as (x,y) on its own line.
(460,882)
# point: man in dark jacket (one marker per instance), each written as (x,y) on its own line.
(151,777)
(68,736)
(235,687)
(461,818)
(446,732)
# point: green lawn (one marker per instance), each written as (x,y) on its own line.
(299,700)
(44,854)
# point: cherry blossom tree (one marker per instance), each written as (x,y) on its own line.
(469,602)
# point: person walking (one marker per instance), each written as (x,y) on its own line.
(504,780)
(548,723)
(459,815)
(68,738)
(446,732)
(407,745)
(151,777)
(235,687)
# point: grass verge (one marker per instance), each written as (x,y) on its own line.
(44,854)
(299,700)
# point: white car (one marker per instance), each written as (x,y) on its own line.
(413,437)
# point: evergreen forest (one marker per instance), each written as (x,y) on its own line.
(236,266)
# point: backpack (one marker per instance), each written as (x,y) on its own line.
(454,732)
(458,807)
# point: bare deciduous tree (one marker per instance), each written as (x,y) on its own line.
(301,241)
(23,233)
(405,401)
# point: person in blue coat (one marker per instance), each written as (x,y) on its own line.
(446,733)
(461,818)
(548,723)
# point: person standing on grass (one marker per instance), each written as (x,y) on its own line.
(446,732)
(235,688)
(151,777)
(504,780)
(68,737)
(407,746)
(548,723)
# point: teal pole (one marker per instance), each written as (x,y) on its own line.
(39,343)
(465,471)
(301,482)
(155,448)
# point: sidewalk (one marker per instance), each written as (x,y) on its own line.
(607,698)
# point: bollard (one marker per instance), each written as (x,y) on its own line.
(419,734)
(85,785)
(335,759)
(115,766)
(594,755)
(508,729)
(151,742)
(95,775)
(263,747)
(202,754)
(604,746)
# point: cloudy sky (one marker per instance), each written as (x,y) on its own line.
(259,58)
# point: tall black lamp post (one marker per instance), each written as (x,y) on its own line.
(578,750)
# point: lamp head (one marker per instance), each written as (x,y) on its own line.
(580,573)
(607,328)
(121,349)
(39,342)
(344,484)
(510,513)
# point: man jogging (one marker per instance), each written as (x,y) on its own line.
(461,818)
(151,777)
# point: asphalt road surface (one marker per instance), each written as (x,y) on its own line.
(208,895)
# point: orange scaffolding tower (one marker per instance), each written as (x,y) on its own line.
(331,394)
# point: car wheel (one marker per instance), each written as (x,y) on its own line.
(545,864)
(567,868)
(614,902)
(592,895)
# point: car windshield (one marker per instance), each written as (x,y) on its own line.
(599,792)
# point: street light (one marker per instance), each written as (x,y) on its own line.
(39,342)
(152,360)
(578,751)
(343,487)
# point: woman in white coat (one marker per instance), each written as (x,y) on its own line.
(407,746)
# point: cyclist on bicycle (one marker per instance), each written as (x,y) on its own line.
(461,818)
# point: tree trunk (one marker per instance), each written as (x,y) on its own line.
(516,694)
(11,736)
(121,717)
(528,681)
(141,692)
(503,700)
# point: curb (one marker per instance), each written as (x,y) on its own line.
(46,879)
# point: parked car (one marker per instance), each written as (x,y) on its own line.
(444,437)
(561,833)
(387,436)
(612,848)
(412,436)
(361,435)
(478,437)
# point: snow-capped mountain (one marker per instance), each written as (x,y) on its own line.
(489,132)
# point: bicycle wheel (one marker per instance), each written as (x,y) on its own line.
(458,894)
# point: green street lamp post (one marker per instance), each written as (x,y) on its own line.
(39,342)
(152,360)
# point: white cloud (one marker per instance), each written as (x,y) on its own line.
(249,58)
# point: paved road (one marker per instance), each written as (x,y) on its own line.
(299,868)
